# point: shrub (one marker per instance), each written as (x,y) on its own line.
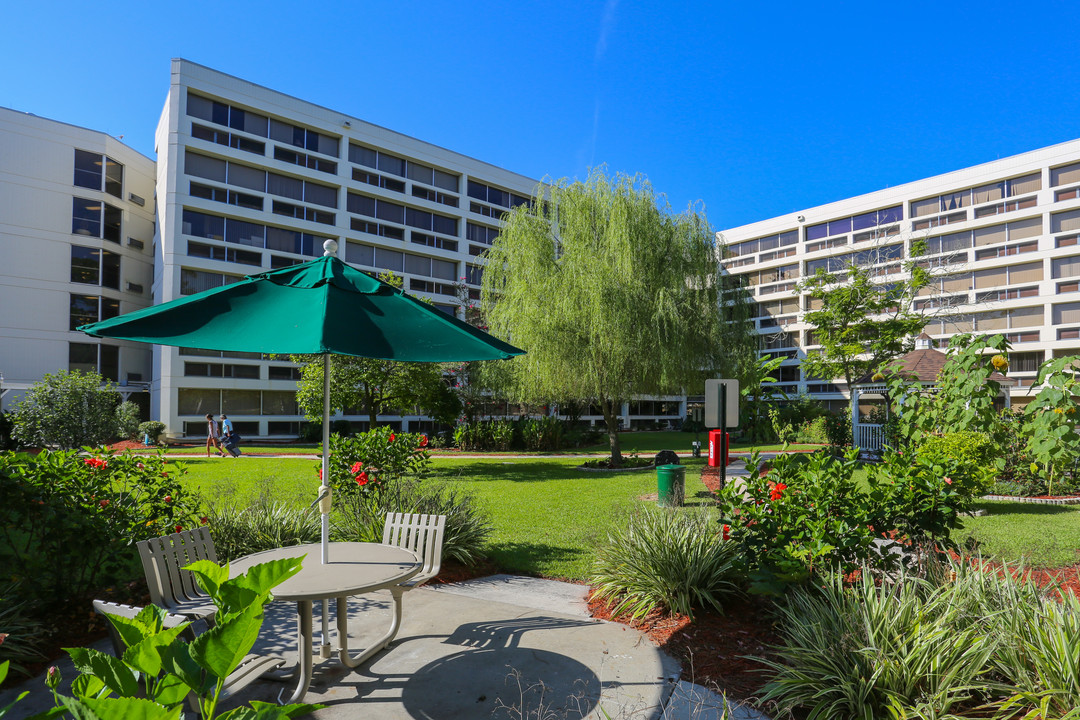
(674,560)
(127,420)
(968,456)
(341,427)
(543,433)
(152,429)
(67,409)
(7,425)
(814,431)
(874,650)
(68,522)
(467,527)
(311,432)
(263,525)
(838,430)
(808,514)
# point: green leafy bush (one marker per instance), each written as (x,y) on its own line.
(838,430)
(152,429)
(673,560)
(968,458)
(341,427)
(544,433)
(808,514)
(68,522)
(814,431)
(311,432)
(127,420)
(67,409)
(263,525)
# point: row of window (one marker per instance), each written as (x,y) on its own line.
(242,232)
(383,258)
(243,372)
(236,118)
(252,178)
(495,196)
(401,214)
(200,401)
(990,192)
(417,172)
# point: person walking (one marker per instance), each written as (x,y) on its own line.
(213,436)
(229,437)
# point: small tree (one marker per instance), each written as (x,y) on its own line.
(862,323)
(127,420)
(1050,419)
(67,409)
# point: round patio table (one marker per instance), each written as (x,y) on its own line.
(354,569)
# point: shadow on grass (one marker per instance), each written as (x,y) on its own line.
(531,558)
(1016,508)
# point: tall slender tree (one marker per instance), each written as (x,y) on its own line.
(611,294)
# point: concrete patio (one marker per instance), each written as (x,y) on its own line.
(497,647)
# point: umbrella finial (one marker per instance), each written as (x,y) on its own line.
(330,247)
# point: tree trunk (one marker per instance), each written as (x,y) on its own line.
(372,407)
(611,419)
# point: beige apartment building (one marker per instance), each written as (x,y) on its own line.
(1002,240)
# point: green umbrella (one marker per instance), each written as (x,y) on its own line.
(319,307)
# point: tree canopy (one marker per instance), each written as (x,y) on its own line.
(860,321)
(611,294)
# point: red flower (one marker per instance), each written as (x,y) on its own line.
(423,441)
(362,479)
(319,471)
(727,533)
(777,491)
(179,528)
(356,467)
(204,520)
(948,481)
(391,437)
(139,465)
(104,503)
(95,462)
(168,498)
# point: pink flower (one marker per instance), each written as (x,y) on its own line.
(139,465)
(362,479)
(356,467)
(948,481)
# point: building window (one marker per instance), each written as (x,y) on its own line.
(85,309)
(228,139)
(302,137)
(226,254)
(99,172)
(196,281)
(221,113)
(91,357)
(96,219)
(95,267)
(282,372)
(221,370)
(480,233)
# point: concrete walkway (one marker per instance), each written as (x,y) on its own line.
(503,647)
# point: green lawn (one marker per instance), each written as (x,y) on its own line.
(548,516)
(1038,535)
(271,449)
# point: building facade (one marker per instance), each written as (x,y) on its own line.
(76,246)
(1002,241)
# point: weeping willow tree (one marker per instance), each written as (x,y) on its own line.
(611,294)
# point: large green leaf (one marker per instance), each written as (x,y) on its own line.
(243,590)
(209,575)
(177,660)
(128,709)
(88,686)
(119,678)
(220,649)
(145,655)
(171,690)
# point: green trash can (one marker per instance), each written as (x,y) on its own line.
(670,485)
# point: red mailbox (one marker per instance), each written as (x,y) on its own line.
(719,444)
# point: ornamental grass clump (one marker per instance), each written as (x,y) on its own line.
(263,525)
(673,560)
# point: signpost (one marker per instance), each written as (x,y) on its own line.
(722,411)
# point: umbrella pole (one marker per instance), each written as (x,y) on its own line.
(325,488)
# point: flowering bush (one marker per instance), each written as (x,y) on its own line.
(808,512)
(365,463)
(67,521)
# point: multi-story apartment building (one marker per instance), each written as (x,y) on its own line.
(246,179)
(1002,240)
(76,246)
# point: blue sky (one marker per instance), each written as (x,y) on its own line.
(754,109)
